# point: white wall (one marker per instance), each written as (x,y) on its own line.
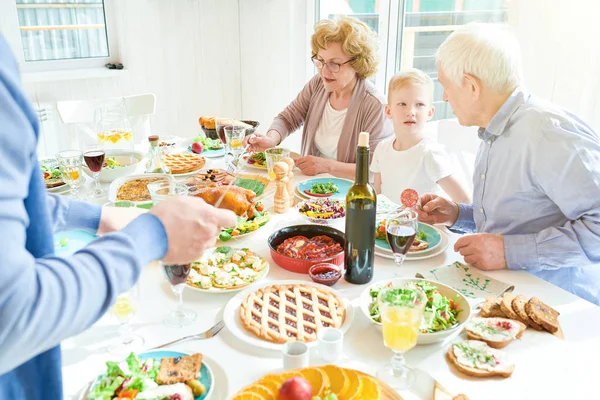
(245,59)
(561,54)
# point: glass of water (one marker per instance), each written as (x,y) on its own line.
(235,139)
(70,164)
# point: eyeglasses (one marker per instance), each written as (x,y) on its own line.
(333,67)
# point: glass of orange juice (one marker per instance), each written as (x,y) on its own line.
(273,156)
(69,163)
(401,310)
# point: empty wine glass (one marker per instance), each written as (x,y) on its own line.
(94,159)
(177,275)
(124,310)
(401,229)
(69,163)
(401,311)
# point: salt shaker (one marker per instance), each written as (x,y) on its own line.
(290,189)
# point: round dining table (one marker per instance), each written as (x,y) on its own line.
(546,366)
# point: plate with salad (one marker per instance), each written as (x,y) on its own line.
(322,211)
(52,175)
(246,226)
(427,239)
(445,313)
(150,375)
(211,148)
(256,160)
(332,188)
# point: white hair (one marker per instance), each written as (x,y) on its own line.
(489,52)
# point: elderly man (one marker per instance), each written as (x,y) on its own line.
(536,198)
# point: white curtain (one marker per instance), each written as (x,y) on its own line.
(561,52)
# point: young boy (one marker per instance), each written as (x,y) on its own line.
(409,159)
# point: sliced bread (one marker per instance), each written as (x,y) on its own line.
(491,308)
(179,369)
(496,332)
(506,306)
(476,358)
(518,306)
(542,314)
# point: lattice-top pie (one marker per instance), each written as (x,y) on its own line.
(282,313)
(182,163)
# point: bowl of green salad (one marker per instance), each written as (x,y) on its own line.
(118,163)
(446,311)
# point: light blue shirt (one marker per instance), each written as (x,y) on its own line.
(537,182)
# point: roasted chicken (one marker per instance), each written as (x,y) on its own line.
(237,199)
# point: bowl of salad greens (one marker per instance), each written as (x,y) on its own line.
(118,163)
(445,313)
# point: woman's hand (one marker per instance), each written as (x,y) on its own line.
(260,142)
(313,165)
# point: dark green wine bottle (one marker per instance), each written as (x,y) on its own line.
(361,208)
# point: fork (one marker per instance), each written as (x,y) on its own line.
(204,335)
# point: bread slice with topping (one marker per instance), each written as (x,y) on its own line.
(518,305)
(476,358)
(542,314)
(491,308)
(496,332)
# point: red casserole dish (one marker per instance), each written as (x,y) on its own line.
(299,265)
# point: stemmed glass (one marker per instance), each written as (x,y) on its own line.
(124,310)
(94,159)
(220,124)
(177,275)
(401,229)
(401,311)
(69,163)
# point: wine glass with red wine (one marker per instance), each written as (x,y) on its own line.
(94,159)
(401,228)
(220,124)
(177,275)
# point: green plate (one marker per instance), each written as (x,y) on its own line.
(432,237)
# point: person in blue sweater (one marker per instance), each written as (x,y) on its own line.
(45,299)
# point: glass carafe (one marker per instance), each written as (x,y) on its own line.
(112,125)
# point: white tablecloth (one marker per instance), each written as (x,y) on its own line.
(546,367)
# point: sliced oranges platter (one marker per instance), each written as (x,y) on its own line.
(325,380)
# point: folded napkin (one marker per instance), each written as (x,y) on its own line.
(467,280)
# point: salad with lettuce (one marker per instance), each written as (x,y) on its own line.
(440,311)
(127,379)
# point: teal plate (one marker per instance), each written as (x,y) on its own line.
(68,242)
(210,153)
(206,375)
(432,237)
(342,184)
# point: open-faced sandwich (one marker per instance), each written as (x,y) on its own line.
(52,176)
(476,358)
(496,332)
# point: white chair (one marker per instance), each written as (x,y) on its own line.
(462,144)
(81,114)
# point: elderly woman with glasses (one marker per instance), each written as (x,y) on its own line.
(336,104)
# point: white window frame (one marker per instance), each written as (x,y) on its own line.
(9,24)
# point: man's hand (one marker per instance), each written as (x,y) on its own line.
(483,251)
(312,165)
(437,210)
(192,226)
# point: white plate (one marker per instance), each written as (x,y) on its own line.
(231,315)
(261,275)
(116,184)
(444,243)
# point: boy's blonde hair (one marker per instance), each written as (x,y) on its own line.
(358,41)
(409,78)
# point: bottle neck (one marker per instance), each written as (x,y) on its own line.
(362,165)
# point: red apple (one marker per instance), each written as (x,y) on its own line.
(197,147)
(295,388)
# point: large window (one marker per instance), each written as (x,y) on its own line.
(54,34)
(410,31)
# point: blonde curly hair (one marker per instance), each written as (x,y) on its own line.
(358,41)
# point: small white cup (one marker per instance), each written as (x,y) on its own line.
(331,344)
(295,355)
